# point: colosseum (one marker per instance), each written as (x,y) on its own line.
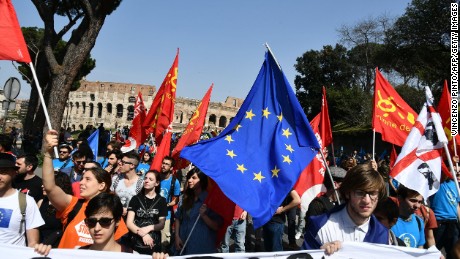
(113,105)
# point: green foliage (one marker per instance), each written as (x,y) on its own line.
(328,67)
(420,42)
(415,48)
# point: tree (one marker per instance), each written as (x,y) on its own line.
(418,45)
(62,62)
(365,39)
(34,39)
(328,67)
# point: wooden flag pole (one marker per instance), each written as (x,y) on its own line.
(42,100)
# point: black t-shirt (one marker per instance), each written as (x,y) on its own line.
(32,187)
(148,211)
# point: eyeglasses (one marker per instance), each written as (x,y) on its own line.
(361,194)
(63,152)
(104,222)
(79,162)
(123,162)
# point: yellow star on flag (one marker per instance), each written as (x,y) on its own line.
(266,112)
(289,148)
(241,168)
(237,127)
(286,159)
(249,115)
(229,138)
(258,177)
(275,172)
(286,133)
(230,153)
(280,117)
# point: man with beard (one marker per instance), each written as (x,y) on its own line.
(361,189)
(64,160)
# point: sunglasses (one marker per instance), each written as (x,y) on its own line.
(104,222)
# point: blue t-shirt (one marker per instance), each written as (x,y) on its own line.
(165,186)
(410,231)
(143,168)
(445,201)
(58,165)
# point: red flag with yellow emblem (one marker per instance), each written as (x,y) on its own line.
(444,111)
(161,113)
(193,130)
(392,116)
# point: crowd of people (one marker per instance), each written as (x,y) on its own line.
(118,204)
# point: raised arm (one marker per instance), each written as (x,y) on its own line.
(56,195)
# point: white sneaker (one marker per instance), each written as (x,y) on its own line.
(297,235)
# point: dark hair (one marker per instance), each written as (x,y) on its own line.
(115,144)
(81,154)
(189,194)
(66,146)
(63,181)
(85,149)
(404,192)
(118,154)
(150,157)
(132,155)
(102,177)
(363,177)
(170,158)
(389,208)
(30,159)
(157,178)
(6,142)
(105,202)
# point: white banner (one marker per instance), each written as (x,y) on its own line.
(348,251)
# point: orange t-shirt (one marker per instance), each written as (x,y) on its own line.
(77,233)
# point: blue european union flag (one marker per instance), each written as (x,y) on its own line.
(93,142)
(258,158)
(5,217)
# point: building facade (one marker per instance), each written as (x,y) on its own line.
(113,105)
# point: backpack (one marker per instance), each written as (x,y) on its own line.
(22,207)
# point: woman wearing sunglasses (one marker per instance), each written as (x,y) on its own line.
(103,216)
(146,215)
(94,181)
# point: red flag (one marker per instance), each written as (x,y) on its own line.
(193,130)
(12,43)
(418,166)
(445,113)
(163,150)
(325,129)
(393,157)
(310,182)
(137,132)
(161,113)
(392,116)
(220,204)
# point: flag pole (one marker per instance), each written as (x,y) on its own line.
(373,144)
(455,149)
(45,110)
(333,153)
(270,50)
(330,175)
(190,234)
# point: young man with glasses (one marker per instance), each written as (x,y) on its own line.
(170,190)
(361,190)
(127,183)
